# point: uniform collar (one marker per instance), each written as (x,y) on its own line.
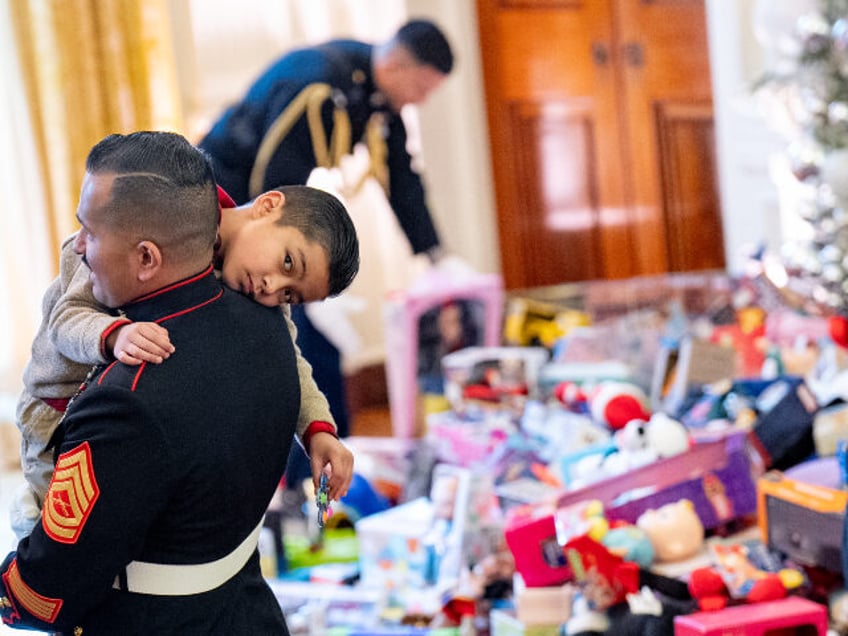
(176,298)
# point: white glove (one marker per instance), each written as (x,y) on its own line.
(455,266)
(330,317)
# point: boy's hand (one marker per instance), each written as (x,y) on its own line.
(139,342)
(327,451)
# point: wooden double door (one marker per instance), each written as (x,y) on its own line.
(601,127)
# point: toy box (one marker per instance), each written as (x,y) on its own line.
(680,367)
(417,544)
(757,619)
(549,605)
(439,314)
(715,476)
(322,607)
(392,553)
(784,429)
(789,507)
(492,377)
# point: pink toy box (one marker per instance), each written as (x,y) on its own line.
(439,314)
(717,477)
(793,615)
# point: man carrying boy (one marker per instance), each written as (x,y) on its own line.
(264,242)
(163,471)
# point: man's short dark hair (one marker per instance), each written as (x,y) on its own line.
(427,43)
(164,190)
(323,219)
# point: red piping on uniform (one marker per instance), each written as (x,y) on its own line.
(190,309)
(109,330)
(105,371)
(175,285)
(141,367)
(137,376)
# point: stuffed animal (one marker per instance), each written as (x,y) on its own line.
(633,449)
(736,577)
(642,442)
(675,530)
(666,435)
(630,542)
(615,403)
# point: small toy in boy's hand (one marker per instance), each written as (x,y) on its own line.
(321,498)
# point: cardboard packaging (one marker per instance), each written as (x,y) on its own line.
(801,518)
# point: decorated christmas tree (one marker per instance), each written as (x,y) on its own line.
(804,94)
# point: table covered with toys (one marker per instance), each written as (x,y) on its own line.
(663,455)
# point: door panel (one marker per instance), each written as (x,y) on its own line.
(666,79)
(689,182)
(557,185)
(553,126)
(600,126)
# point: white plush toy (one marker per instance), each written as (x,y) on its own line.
(639,443)
(642,442)
(667,436)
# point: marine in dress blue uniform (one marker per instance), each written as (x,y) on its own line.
(168,464)
(346,66)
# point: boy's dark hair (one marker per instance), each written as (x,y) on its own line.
(427,44)
(164,191)
(323,219)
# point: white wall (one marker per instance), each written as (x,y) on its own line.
(455,142)
(746,145)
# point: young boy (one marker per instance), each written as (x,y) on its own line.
(291,245)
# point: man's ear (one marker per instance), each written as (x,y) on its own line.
(270,202)
(148,260)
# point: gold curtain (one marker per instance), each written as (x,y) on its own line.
(91,68)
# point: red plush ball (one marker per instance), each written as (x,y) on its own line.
(621,409)
(707,587)
(768,588)
(617,403)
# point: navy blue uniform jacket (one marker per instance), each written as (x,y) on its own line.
(172,463)
(346,66)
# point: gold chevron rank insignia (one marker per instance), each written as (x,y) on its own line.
(71,496)
(42,607)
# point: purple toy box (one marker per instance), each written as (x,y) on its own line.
(718,477)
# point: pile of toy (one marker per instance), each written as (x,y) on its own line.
(649,467)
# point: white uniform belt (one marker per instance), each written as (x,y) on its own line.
(165,579)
